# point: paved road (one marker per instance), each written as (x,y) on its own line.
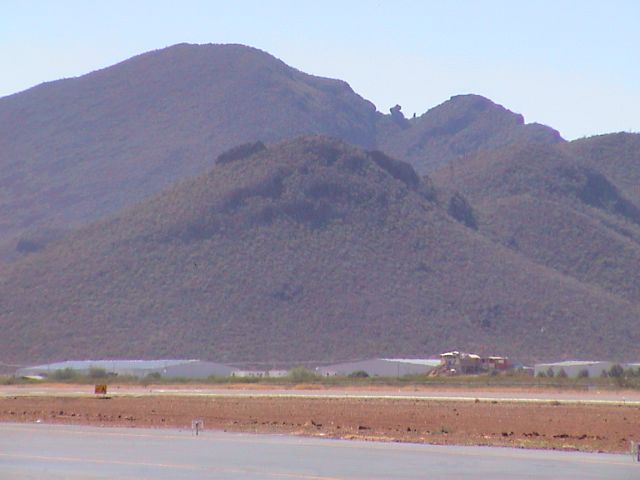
(607,397)
(56,452)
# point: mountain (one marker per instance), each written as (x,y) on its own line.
(556,209)
(75,150)
(161,207)
(307,250)
(617,155)
(461,126)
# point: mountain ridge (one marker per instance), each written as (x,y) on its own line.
(311,249)
(547,203)
(164,201)
(78,149)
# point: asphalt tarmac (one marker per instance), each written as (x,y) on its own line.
(56,452)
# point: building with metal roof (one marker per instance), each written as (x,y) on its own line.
(573,368)
(382,367)
(137,368)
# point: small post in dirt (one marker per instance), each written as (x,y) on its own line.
(196,426)
(635,451)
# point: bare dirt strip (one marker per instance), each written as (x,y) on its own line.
(553,424)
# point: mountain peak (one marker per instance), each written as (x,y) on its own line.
(462,110)
(210,53)
(154,119)
(462,125)
(473,101)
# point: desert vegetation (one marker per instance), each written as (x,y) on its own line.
(308,250)
(178,202)
(552,206)
(616,378)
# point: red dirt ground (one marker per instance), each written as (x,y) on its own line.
(592,427)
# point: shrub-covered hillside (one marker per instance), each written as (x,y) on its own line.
(75,150)
(306,250)
(556,209)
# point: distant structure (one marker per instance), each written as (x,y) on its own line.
(461,363)
(135,368)
(573,368)
(496,363)
(260,373)
(381,367)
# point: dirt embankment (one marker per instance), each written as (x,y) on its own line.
(606,428)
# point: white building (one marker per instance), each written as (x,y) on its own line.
(573,367)
(382,367)
(136,368)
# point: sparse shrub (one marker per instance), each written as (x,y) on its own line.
(541,374)
(632,373)
(8,380)
(270,187)
(36,240)
(26,246)
(241,151)
(152,377)
(562,373)
(460,210)
(65,374)
(301,375)
(315,215)
(353,164)
(616,371)
(399,170)
(600,193)
(584,373)
(359,374)
(328,154)
(323,189)
(288,292)
(95,372)
(550,372)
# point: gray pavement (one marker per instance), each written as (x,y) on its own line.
(38,451)
(593,397)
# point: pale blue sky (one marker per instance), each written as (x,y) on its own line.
(574,65)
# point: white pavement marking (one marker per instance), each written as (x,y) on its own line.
(550,399)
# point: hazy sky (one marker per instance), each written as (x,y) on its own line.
(574,65)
